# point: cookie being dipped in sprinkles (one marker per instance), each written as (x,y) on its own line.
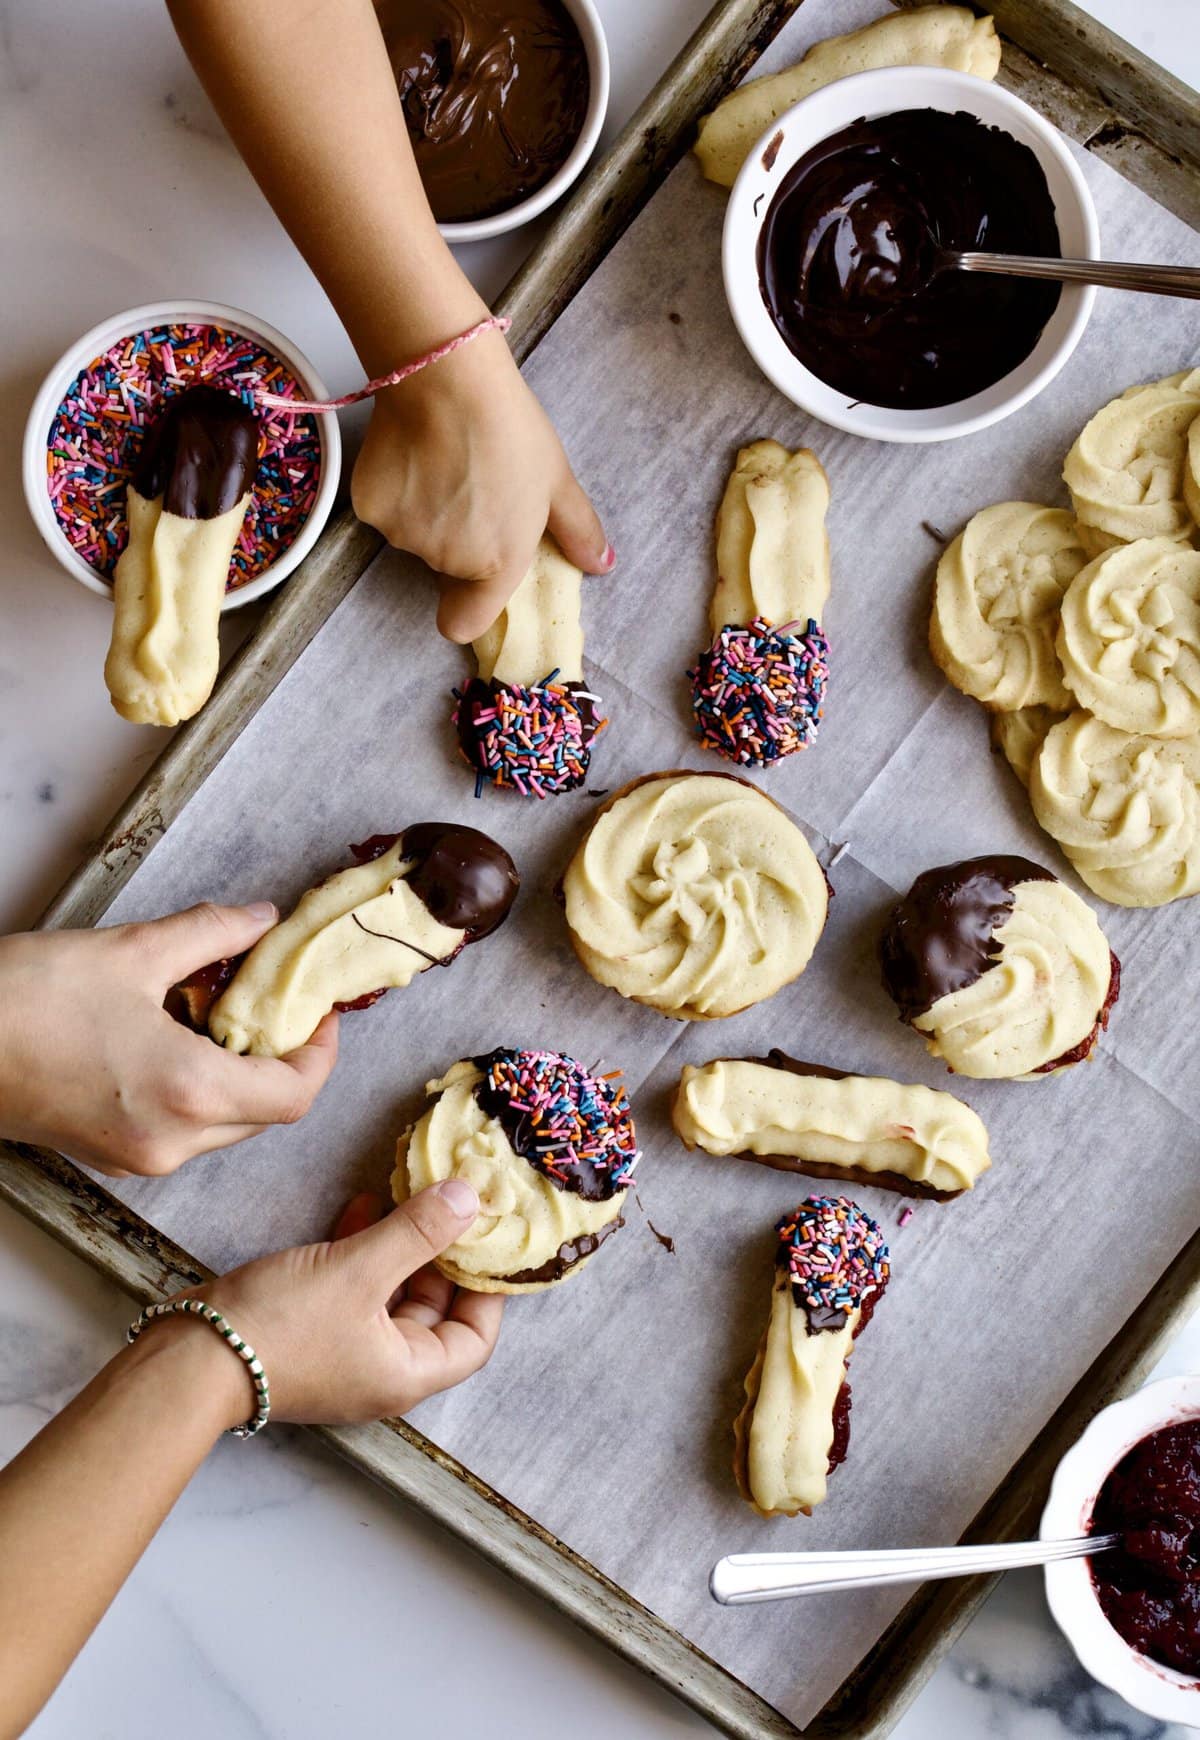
(550,1148)
(526,722)
(758,690)
(831,1267)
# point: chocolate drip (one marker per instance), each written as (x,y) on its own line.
(201,455)
(463,877)
(568,1255)
(940,937)
(494,92)
(848,258)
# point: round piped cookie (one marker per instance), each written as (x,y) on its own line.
(996,600)
(549,1147)
(1002,969)
(1127,470)
(695,894)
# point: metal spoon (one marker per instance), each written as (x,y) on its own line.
(1113,274)
(773,1576)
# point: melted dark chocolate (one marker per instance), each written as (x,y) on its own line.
(581,1177)
(939,938)
(494,92)
(824,1317)
(1149,1586)
(566,1257)
(849,246)
(463,877)
(201,454)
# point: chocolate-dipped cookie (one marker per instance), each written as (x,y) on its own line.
(550,1149)
(831,1265)
(1002,969)
(186,504)
(803,1117)
(412,901)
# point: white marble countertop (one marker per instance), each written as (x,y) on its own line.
(119,186)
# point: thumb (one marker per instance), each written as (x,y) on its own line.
(467,608)
(179,944)
(575,527)
(408,1238)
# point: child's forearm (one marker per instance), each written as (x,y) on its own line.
(80,1503)
(307,93)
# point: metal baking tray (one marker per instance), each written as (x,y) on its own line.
(1145,124)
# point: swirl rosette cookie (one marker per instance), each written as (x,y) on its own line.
(186,504)
(1124,809)
(526,721)
(1019,735)
(694,893)
(803,1117)
(1002,969)
(831,1267)
(759,688)
(997,596)
(1129,639)
(1126,471)
(550,1149)
(413,901)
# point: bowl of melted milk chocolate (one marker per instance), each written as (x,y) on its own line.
(837,238)
(503,100)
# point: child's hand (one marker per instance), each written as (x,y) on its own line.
(92,1064)
(363,1326)
(462,467)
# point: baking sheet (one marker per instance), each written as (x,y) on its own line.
(606,1411)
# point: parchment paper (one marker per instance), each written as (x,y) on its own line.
(606,1411)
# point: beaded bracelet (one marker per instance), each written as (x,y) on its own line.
(197,1308)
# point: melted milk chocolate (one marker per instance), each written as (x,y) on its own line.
(494,94)
(939,938)
(847,253)
(201,455)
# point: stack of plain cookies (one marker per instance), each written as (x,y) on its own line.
(1080,633)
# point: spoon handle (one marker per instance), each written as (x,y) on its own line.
(1114,274)
(773,1576)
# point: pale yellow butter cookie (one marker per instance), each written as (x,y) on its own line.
(1019,735)
(1126,470)
(996,599)
(694,893)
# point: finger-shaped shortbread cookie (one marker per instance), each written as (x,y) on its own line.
(1129,640)
(831,1266)
(1124,809)
(802,1117)
(418,899)
(1019,736)
(549,1148)
(526,722)
(758,690)
(996,600)
(948,36)
(186,504)
(695,894)
(1126,471)
(1002,969)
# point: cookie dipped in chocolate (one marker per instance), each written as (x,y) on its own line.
(939,938)
(201,454)
(494,94)
(574,1128)
(465,878)
(848,258)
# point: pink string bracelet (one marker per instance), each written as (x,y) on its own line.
(280,401)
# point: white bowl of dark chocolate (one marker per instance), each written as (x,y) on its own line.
(842,306)
(503,103)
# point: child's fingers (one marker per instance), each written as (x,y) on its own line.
(175,946)
(359,1213)
(410,1237)
(269,1090)
(575,526)
(427,1297)
(468,607)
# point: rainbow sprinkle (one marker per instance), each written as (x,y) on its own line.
(835,1255)
(758,692)
(97,433)
(535,741)
(574,1127)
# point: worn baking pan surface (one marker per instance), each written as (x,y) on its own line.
(683,396)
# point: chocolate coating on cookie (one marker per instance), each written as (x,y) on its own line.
(465,878)
(571,1126)
(940,937)
(201,455)
(567,1257)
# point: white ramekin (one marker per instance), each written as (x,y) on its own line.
(1147,1685)
(587,19)
(54,388)
(883,93)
